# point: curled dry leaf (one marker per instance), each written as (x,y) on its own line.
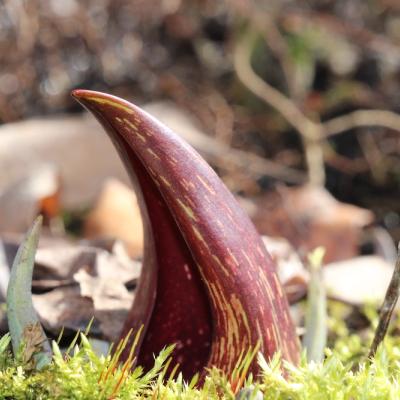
(65,308)
(33,339)
(309,216)
(291,270)
(86,282)
(208,283)
(72,282)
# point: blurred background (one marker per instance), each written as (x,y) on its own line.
(294,103)
(327,57)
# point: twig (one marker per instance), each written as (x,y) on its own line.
(391,297)
(266,23)
(378,43)
(362,118)
(313,133)
(309,130)
(265,91)
(374,157)
(251,163)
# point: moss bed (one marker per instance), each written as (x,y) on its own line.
(345,373)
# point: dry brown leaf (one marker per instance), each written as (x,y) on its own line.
(309,217)
(291,271)
(65,307)
(33,339)
(94,281)
(75,282)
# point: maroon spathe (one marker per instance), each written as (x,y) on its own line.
(208,285)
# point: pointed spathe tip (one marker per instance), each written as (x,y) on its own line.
(83,93)
(84,96)
(102,103)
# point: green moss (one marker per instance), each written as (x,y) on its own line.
(344,374)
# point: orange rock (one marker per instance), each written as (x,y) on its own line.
(116,214)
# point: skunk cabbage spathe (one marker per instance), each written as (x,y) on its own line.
(208,284)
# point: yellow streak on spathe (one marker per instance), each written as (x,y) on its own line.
(286,318)
(267,287)
(151,171)
(153,154)
(135,129)
(173,160)
(189,201)
(230,323)
(112,103)
(185,183)
(165,181)
(230,217)
(260,334)
(219,305)
(219,223)
(187,210)
(261,309)
(278,285)
(129,123)
(222,348)
(220,264)
(221,316)
(275,334)
(285,348)
(269,337)
(205,184)
(233,257)
(233,329)
(260,252)
(238,307)
(199,236)
(248,259)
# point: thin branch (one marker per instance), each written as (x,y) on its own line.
(265,22)
(391,297)
(310,131)
(362,118)
(272,96)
